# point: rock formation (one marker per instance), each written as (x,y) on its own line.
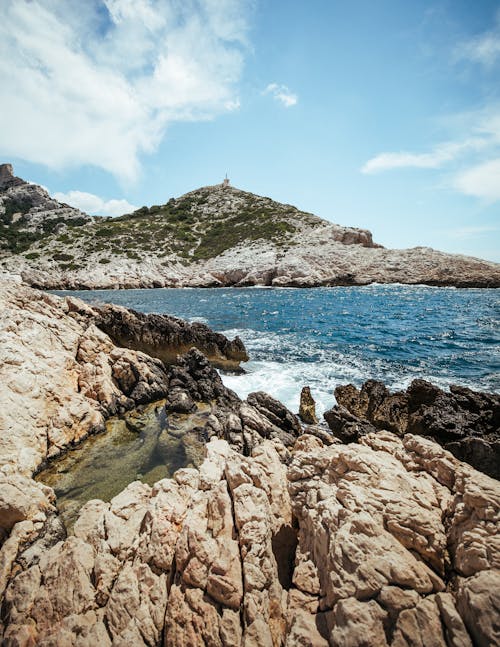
(214,236)
(162,336)
(463,421)
(307,410)
(277,539)
(28,213)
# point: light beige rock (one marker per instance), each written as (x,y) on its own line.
(387,542)
(306,251)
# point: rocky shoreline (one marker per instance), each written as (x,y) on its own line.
(284,535)
(215,236)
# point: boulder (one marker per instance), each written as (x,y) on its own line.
(465,422)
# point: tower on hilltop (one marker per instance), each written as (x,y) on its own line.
(225,182)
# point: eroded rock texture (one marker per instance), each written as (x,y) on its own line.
(163,336)
(389,542)
(276,540)
(62,375)
(463,421)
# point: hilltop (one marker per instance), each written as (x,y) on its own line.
(214,236)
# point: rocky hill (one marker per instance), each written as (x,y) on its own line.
(214,236)
(29,214)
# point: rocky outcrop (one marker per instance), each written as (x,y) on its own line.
(463,421)
(162,336)
(391,542)
(62,375)
(7,178)
(307,409)
(212,237)
(28,212)
(276,539)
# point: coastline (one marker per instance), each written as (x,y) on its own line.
(252,543)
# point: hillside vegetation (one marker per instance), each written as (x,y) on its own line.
(197,226)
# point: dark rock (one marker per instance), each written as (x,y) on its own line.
(179,401)
(194,374)
(465,422)
(242,424)
(307,409)
(275,412)
(163,336)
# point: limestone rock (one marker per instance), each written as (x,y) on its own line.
(463,421)
(279,538)
(258,242)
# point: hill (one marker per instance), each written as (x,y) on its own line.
(213,236)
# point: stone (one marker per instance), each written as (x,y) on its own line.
(277,538)
(465,422)
(307,410)
(294,249)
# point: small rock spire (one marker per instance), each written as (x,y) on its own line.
(7,177)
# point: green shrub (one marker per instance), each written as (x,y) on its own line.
(61,256)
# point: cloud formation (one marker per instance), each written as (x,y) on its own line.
(480,181)
(98,82)
(282,94)
(95,205)
(436,158)
(472,162)
(483,48)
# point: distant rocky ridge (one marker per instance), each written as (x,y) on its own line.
(29,214)
(212,237)
(279,538)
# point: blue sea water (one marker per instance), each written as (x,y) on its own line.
(323,337)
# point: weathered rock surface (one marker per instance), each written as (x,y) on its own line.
(62,376)
(463,421)
(390,542)
(307,409)
(211,237)
(277,539)
(27,209)
(162,336)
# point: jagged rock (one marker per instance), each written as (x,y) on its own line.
(7,177)
(241,239)
(28,212)
(307,410)
(163,336)
(389,542)
(463,421)
(277,539)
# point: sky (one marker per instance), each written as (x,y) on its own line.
(381,115)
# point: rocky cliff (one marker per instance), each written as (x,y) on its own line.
(214,236)
(278,538)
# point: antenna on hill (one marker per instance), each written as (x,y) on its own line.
(225,182)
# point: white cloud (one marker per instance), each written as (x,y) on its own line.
(93,204)
(98,82)
(282,94)
(436,158)
(481,180)
(483,48)
(468,232)
(472,163)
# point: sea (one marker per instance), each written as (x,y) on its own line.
(325,337)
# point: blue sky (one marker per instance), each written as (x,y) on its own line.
(383,115)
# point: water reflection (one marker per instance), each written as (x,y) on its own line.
(146,445)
